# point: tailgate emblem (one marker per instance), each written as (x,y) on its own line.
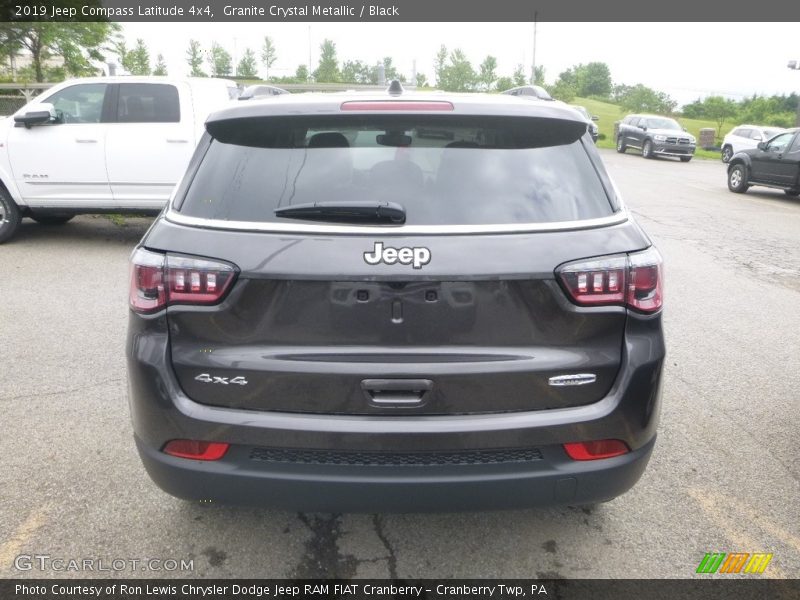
(206,378)
(579,379)
(416,256)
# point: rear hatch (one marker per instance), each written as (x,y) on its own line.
(454,310)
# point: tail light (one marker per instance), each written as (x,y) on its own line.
(196,450)
(596,450)
(158,280)
(633,280)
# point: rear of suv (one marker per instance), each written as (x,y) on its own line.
(395,303)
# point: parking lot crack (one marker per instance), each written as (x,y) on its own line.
(391,558)
(82,388)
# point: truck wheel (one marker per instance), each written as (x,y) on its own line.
(737,179)
(792,192)
(620,145)
(9,216)
(685,158)
(727,154)
(51,219)
(647,149)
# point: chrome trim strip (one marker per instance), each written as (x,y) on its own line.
(578,379)
(371,230)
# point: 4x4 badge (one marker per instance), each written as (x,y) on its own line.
(414,256)
(206,378)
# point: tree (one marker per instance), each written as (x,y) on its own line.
(563,90)
(519,76)
(504,83)
(194,56)
(538,75)
(355,71)
(161,67)
(594,79)
(268,55)
(422,80)
(301,74)
(487,75)
(328,69)
(220,61)
(439,64)
(137,61)
(640,98)
(247,67)
(77,44)
(390,71)
(719,109)
(457,75)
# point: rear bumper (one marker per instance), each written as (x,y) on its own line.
(161,411)
(239,479)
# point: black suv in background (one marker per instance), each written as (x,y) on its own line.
(372,302)
(775,164)
(655,136)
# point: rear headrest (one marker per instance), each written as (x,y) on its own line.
(332,139)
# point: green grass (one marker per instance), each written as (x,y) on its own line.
(609,113)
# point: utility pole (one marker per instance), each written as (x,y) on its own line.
(533,61)
(795,65)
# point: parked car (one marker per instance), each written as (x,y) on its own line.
(108,144)
(746,137)
(593,129)
(655,136)
(337,314)
(260,91)
(529,91)
(775,164)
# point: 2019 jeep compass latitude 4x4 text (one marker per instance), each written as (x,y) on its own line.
(395,303)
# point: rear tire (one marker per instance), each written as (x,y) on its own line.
(685,158)
(792,192)
(647,149)
(727,154)
(51,219)
(9,216)
(621,147)
(737,179)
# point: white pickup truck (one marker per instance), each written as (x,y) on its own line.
(109,144)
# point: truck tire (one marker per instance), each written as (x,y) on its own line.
(9,215)
(621,147)
(647,149)
(737,179)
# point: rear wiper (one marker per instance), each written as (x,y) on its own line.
(354,211)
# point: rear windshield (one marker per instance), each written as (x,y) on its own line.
(442,170)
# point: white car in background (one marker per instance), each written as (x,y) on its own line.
(746,137)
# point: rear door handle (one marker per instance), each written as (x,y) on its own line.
(85,141)
(399,393)
(175,141)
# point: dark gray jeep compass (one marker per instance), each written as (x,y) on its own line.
(395,302)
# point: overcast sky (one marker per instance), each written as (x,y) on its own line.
(686,60)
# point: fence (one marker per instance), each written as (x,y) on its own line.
(11,104)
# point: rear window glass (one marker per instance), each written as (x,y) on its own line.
(442,170)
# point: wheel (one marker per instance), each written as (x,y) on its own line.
(621,147)
(792,192)
(685,158)
(727,153)
(737,179)
(647,149)
(51,219)
(9,216)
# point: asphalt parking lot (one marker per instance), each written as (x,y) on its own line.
(724,477)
